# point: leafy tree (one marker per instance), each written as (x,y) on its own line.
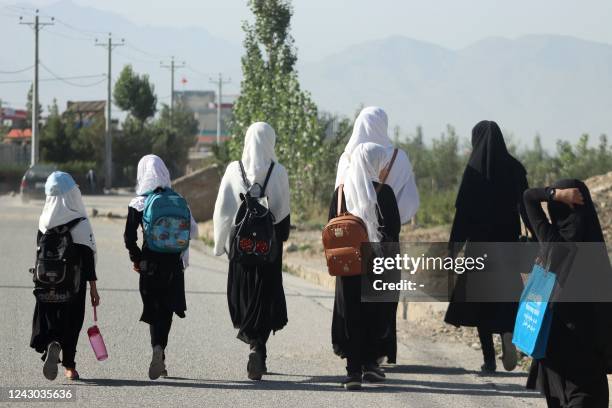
(270,92)
(135,94)
(173,136)
(56,135)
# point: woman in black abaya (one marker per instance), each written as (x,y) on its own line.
(488,209)
(361,330)
(255,294)
(573,372)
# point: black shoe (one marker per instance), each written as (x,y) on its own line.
(52,360)
(373,373)
(489,367)
(255,366)
(352,382)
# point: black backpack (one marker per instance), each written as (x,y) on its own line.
(253,238)
(57,274)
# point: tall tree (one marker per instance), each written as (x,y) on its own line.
(135,94)
(270,92)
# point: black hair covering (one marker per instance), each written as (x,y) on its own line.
(490,179)
(580,224)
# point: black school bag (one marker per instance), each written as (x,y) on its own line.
(253,238)
(57,274)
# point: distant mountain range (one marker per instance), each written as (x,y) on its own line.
(557,86)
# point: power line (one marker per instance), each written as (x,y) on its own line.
(62,79)
(65,80)
(129,45)
(67,36)
(203,74)
(18,70)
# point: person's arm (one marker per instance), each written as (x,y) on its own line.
(282,229)
(459,232)
(390,213)
(130,236)
(333,206)
(88,272)
(524,186)
(532,200)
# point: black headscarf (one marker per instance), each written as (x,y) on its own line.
(490,179)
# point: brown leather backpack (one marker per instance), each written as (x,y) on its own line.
(344,234)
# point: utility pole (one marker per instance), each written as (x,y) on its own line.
(172,66)
(36,25)
(219,82)
(108,138)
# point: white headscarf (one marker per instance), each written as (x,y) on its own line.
(367,161)
(371,126)
(64,204)
(257,155)
(152,173)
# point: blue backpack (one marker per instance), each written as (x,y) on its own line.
(166,221)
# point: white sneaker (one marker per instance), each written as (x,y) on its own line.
(52,360)
(509,358)
(157,365)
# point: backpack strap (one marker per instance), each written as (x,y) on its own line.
(341,209)
(244,176)
(70,225)
(385,172)
(263,188)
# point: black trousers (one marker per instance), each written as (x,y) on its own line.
(160,329)
(486,341)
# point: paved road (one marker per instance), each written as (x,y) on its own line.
(206,362)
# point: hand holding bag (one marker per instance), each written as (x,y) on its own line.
(534,317)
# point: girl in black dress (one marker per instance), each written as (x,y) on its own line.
(360,330)
(255,294)
(161,280)
(56,326)
(488,209)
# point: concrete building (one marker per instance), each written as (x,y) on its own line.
(203,105)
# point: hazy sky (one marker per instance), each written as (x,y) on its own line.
(324,26)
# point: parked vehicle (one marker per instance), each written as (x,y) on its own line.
(33,181)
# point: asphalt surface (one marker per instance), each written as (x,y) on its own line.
(206,362)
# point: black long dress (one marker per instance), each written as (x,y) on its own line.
(256,297)
(488,209)
(63,322)
(362,332)
(161,282)
(573,373)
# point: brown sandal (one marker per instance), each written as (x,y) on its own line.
(71,374)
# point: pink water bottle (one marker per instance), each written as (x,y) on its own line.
(96,340)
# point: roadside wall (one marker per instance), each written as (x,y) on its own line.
(200,190)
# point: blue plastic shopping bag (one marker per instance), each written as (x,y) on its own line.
(534,317)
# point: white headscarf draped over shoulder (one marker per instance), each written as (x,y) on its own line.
(152,173)
(64,204)
(367,161)
(257,155)
(371,126)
